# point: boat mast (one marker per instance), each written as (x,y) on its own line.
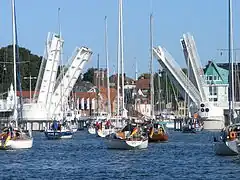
(98,83)
(230,61)
(136,70)
(118,59)
(14,58)
(106,52)
(122,63)
(151,68)
(61,66)
(188,98)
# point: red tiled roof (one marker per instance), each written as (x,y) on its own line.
(85,95)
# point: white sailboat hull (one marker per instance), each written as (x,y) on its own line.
(92,130)
(228,148)
(105,132)
(74,130)
(18,144)
(126,144)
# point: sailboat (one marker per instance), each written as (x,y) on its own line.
(131,137)
(127,138)
(228,144)
(108,128)
(13,137)
(157,130)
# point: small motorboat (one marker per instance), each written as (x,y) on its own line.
(158,132)
(58,131)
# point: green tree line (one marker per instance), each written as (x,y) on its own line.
(29,65)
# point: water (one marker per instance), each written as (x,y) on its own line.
(185,156)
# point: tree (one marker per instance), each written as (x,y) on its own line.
(88,76)
(29,65)
(145,76)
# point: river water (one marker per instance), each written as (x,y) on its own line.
(185,156)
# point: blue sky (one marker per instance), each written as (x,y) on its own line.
(83,25)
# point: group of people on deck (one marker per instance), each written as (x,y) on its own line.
(193,123)
(57,126)
(9,132)
(99,125)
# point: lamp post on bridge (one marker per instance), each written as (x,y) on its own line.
(30,85)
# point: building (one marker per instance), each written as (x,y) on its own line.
(100,77)
(236,77)
(216,79)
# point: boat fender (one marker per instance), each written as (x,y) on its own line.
(232,135)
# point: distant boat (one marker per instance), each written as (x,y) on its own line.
(58,131)
(158,132)
(72,121)
(192,126)
(127,140)
(105,129)
(91,130)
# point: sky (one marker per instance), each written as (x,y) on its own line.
(82,24)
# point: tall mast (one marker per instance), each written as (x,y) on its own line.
(118,58)
(122,59)
(61,66)
(14,55)
(188,77)
(151,68)
(98,83)
(159,92)
(106,49)
(136,70)
(230,61)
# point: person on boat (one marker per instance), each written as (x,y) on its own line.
(97,125)
(55,125)
(161,130)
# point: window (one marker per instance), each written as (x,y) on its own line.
(210,78)
(212,90)
(215,99)
(214,77)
